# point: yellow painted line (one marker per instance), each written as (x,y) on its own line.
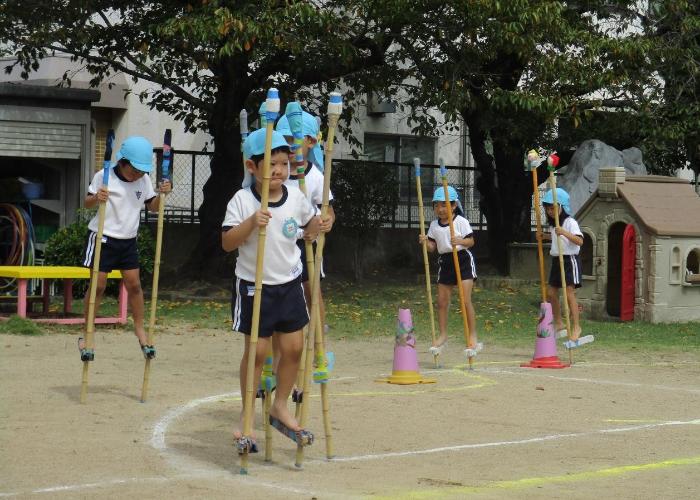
(530,482)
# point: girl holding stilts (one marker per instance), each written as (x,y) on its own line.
(570,241)
(283,308)
(438,238)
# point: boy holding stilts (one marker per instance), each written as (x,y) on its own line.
(439,239)
(129,189)
(313,178)
(283,310)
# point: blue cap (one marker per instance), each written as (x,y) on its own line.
(309,127)
(562,199)
(439,194)
(254,144)
(138,151)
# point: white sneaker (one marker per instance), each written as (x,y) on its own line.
(437,350)
(471,352)
(573,344)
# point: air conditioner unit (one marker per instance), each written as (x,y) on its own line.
(377,106)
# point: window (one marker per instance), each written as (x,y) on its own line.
(403,149)
(675,277)
(692,266)
(586,255)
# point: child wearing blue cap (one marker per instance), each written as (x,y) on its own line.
(439,239)
(570,239)
(283,312)
(313,179)
(129,190)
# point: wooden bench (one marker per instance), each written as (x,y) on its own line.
(48,273)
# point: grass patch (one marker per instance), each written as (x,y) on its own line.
(20,326)
(505,316)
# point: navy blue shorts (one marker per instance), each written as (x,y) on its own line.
(446,267)
(572,271)
(305,272)
(282,310)
(114,253)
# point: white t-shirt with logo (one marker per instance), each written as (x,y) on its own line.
(126,199)
(282,262)
(567,246)
(440,233)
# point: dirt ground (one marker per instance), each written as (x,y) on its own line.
(612,426)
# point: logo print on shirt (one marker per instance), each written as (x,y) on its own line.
(289,227)
(138,195)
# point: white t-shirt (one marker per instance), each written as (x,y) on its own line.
(126,199)
(568,248)
(440,233)
(313,179)
(282,262)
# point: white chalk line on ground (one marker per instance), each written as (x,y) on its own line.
(529,373)
(212,474)
(540,439)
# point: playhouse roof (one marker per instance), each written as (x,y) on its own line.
(667,206)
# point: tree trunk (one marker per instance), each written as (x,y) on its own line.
(206,261)
(504,187)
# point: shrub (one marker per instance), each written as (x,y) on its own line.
(66,247)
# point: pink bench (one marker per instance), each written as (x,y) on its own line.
(48,273)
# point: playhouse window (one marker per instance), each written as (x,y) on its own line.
(675,276)
(586,255)
(692,266)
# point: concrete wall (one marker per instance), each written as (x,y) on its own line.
(389,253)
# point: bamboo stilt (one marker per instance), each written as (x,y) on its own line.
(426,264)
(94,276)
(156,265)
(272,105)
(334,110)
(455,259)
(553,184)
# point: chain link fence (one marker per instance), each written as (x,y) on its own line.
(191,170)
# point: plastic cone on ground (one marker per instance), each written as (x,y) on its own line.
(546,343)
(405,370)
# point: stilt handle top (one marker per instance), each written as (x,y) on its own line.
(335,104)
(443,168)
(416,163)
(272,104)
(243,120)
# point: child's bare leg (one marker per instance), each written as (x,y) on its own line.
(573,307)
(260,353)
(99,292)
(553,296)
(467,286)
(132,282)
(444,296)
(290,346)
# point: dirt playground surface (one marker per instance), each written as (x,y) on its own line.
(612,426)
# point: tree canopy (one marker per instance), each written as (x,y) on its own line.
(209,59)
(512,73)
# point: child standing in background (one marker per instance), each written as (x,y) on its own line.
(439,238)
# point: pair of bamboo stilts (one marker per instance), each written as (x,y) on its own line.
(465,325)
(90,321)
(552,162)
(315,331)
